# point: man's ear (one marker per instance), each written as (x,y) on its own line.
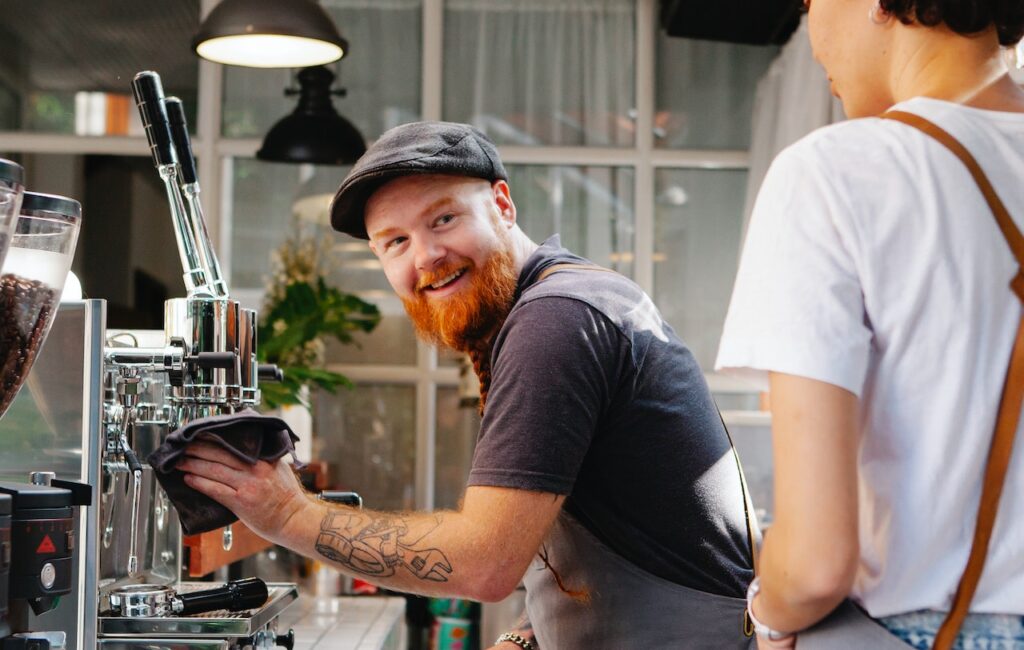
(373,247)
(503,199)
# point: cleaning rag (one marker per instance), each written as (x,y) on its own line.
(249,435)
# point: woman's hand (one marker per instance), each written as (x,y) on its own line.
(264,496)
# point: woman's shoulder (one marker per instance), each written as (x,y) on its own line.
(843,143)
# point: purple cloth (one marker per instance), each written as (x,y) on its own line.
(248,435)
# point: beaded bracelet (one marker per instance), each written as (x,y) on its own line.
(516,639)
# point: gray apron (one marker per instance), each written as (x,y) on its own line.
(848,626)
(628,608)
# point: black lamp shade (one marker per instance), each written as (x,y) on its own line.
(299,19)
(314,132)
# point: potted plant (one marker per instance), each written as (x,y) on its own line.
(300,310)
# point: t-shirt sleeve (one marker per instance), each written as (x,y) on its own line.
(798,306)
(551,381)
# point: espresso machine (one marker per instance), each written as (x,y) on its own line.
(204,364)
(99,401)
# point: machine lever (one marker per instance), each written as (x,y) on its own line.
(149,97)
(269,372)
(182,142)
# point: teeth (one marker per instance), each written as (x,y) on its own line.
(450,278)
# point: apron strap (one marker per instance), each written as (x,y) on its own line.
(748,506)
(555,268)
(1010,402)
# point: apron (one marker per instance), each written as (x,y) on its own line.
(628,608)
(848,626)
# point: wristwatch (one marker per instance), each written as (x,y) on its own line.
(516,639)
(760,629)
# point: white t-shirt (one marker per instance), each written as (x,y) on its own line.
(873,263)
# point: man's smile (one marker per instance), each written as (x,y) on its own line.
(432,287)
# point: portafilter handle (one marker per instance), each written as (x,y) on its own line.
(235,596)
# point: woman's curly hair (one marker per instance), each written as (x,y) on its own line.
(963,16)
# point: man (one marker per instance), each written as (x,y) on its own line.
(602,478)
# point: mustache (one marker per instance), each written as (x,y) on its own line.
(442,272)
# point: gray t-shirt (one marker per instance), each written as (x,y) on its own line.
(594,396)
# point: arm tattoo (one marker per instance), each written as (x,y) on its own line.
(378,546)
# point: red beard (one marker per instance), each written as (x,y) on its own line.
(463,320)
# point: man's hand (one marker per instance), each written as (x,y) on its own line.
(479,552)
(265,496)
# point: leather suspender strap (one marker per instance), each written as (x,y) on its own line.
(1010,402)
(555,268)
(1013,236)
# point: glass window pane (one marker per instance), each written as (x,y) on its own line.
(457,428)
(705,92)
(67,67)
(590,207)
(698,225)
(556,72)
(384,43)
(269,202)
(367,435)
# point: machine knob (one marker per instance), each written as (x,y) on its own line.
(41,478)
(286,640)
(48,576)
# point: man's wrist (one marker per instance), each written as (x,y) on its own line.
(761,629)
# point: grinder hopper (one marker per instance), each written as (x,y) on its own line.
(39,255)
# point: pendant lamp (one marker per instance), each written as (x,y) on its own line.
(269,34)
(314,132)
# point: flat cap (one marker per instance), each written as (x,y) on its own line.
(415,148)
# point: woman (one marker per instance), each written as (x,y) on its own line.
(873,294)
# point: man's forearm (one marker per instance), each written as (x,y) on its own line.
(422,553)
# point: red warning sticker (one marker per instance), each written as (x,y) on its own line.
(46,546)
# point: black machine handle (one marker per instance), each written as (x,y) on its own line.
(181,139)
(286,640)
(344,498)
(132,460)
(235,596)
(149,97)
(207,360)
(269,372)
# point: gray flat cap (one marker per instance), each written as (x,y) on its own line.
(416,148)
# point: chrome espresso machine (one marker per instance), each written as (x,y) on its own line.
(103,400)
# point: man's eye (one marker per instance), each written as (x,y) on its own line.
(393,242)
(444,219)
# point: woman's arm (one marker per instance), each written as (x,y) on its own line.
(810,553)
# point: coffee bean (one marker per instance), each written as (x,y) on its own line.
(26,307)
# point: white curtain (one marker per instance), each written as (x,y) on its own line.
(792,99)
(558,72)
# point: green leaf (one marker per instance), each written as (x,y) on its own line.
(305,313)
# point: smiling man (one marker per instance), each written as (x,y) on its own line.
(603,478)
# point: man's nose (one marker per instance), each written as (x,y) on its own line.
(427,253)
